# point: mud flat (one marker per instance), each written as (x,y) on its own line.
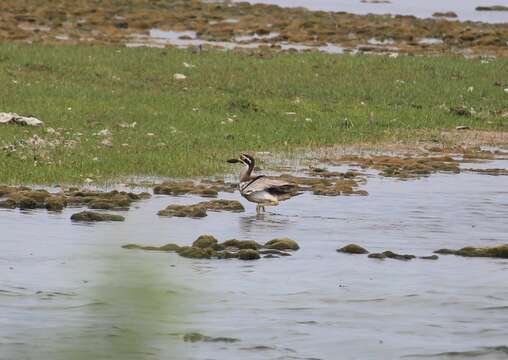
(121,22)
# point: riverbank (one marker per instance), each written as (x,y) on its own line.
(111,111)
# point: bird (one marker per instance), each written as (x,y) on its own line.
(262,190)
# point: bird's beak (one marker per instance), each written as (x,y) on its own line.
(233,161)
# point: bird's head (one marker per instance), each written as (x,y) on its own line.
(245,159)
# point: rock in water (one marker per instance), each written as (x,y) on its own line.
(205,241)
(353,249)
(248,254)
(282,244)
(96,216)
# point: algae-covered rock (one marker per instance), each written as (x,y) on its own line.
(56,203)
(404,257)
(7,204)
(25,202)
(207,247)
(197,337)
(167,247)
(500,251)
(225,205)
(192,211)
(431,257)
(353,249)
(95,216)
(195,252)
(205,192)
(391,255)
(248,254)
(205,242)
(241,244)
(199,210)
(186,187)
(282,244)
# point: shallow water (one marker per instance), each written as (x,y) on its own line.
(70,291)
(465,9)
(185,39)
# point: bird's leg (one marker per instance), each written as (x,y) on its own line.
(258,209)
(263,207)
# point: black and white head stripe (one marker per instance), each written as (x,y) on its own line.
(247,159)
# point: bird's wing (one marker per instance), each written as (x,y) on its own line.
(271,185)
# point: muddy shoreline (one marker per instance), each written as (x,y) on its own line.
(263,27)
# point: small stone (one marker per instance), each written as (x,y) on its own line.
(179,77)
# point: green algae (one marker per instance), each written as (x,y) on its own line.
(500,251)
(282,244)
(90,216)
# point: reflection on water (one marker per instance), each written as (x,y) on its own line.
(71,291)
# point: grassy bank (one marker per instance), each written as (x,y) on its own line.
(228,103)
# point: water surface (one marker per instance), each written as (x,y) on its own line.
(70,291)
(465,9)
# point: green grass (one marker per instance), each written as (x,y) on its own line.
(84,89)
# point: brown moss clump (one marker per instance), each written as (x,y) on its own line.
(192,211)
(403,167)
(204,189)
(493,172)
(327,186)
(199,210)
(391,255)
(448,14)
(223,205)
(207,247)
(25,198)
(8,204)
(431,257)
(167,248)
(90,216)
(500,251)
(241,244)
(341,187)
(282,244)
(353,249)
(248,254)
(205,242)
(197,337)
(56,203)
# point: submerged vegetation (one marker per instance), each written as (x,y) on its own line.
(208,247)
(113,111)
